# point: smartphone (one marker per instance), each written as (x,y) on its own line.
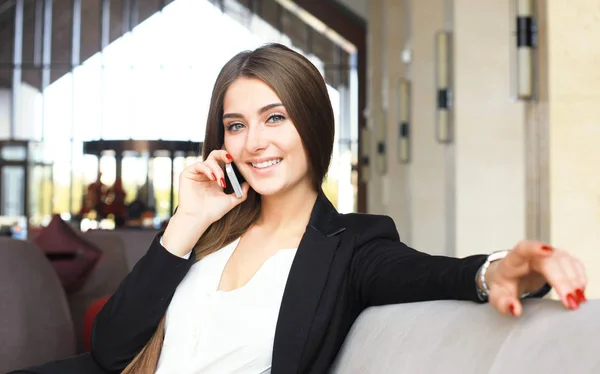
(233,180)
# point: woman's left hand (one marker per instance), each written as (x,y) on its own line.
(527,268)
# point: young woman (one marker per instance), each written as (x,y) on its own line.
(272,282)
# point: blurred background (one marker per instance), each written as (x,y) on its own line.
(473,124)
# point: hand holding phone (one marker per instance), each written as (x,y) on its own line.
(203,200)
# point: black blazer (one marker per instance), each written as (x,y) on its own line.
(344,264)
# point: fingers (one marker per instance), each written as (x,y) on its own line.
(214,159)
(527,267)
(216,171)
(211,167)
(220,155)
(524,252)
(198,171)
(506,300)
(567,276)
(581,276)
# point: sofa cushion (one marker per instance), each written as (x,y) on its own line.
(72,257)
(464,337)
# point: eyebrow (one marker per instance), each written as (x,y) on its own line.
(260,111)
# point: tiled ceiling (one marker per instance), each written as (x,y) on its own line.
(311,41)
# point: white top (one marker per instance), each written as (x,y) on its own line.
(209,331)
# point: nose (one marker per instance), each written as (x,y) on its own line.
(256,140)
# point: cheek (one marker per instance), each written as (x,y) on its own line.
(295,147)
(304,158)
(233,145)
(289,138)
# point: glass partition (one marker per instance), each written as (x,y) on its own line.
(25,181)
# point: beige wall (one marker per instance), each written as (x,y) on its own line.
(387,36)
(485,165)
(517,170)
(395,182)
(490,154)
(574,130)
(374,100)
(427,171)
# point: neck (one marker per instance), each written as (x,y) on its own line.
(287,211)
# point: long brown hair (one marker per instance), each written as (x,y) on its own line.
(303,92)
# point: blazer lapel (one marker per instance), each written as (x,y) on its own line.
(305,284)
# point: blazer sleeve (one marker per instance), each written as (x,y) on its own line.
(386,271)
(130,317)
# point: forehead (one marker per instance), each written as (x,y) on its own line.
(248,94)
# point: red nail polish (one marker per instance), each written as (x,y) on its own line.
(547,248)
(573,304)
(580,295)
(511,307)
(229,157)
(213,176)
(223,183)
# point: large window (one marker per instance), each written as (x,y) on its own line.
(155,83)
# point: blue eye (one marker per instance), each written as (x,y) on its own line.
(234,126)
(276,118)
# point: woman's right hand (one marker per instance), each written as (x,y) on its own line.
(202,201)
(201,187)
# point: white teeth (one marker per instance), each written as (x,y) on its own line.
(266,164)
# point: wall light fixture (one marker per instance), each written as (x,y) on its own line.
(365,154)
(403,147)
(443,49)
(524,50)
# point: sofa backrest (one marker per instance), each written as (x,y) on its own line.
(464,337)
(136,243)
(103,280)
(35,322)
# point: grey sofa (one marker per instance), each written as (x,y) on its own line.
(430,337)
(449,337)
(454,337)
(35,322)
(136,243)
(38,321)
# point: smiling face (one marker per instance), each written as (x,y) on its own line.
(262,139)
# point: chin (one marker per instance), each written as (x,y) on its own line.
(264,190)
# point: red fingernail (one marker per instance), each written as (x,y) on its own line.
(511,307)
(580,295)
(573,304)
(213,176)
(223,183)
(547,248)
(229,157)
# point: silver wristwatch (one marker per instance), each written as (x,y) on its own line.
(483,292)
